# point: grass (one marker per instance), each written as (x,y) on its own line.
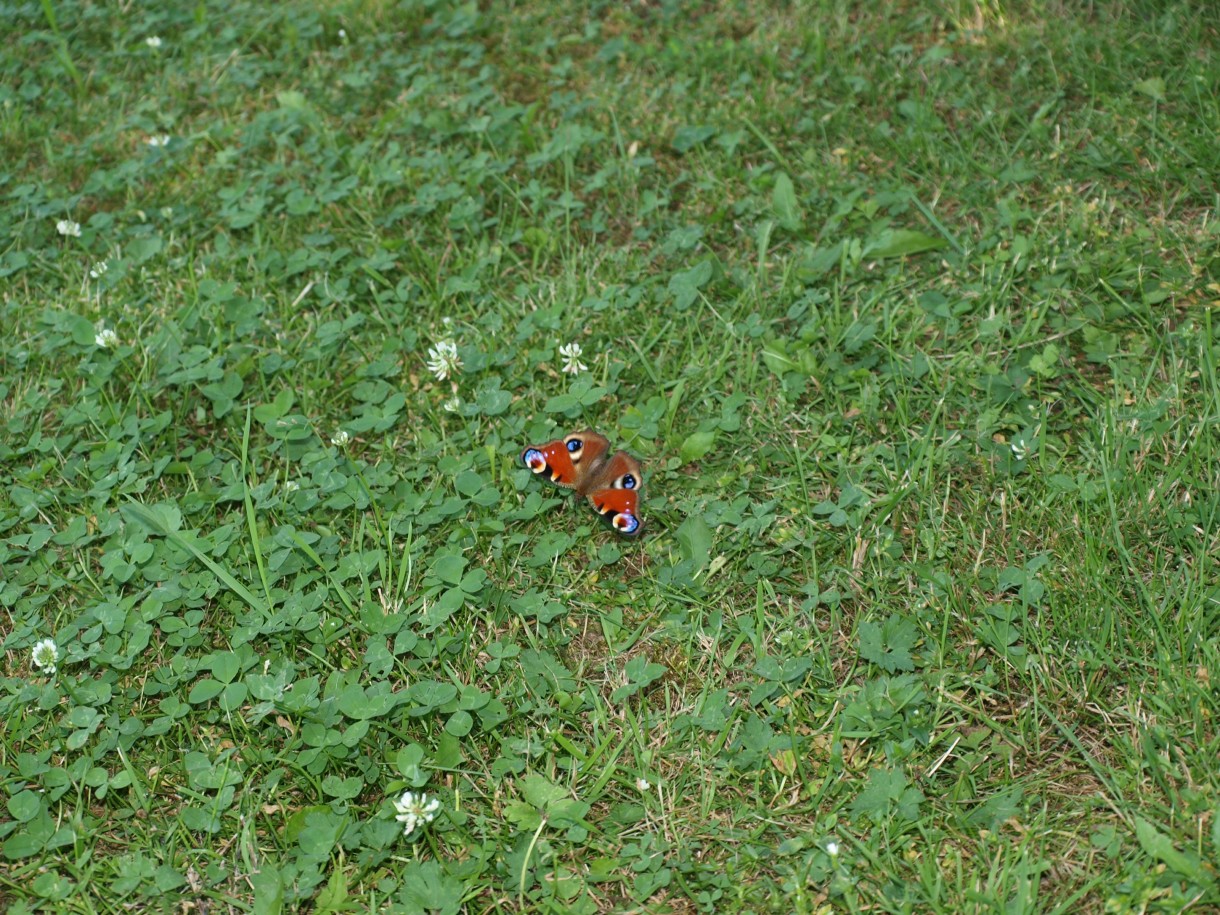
(909,312)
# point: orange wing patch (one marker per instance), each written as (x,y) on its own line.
(618,506)
(554,461)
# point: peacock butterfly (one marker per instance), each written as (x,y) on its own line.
(581,461)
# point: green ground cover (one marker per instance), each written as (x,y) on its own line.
(908,309)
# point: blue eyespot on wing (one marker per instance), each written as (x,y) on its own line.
(625,523)
(533,459)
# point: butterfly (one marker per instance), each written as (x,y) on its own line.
(581,461)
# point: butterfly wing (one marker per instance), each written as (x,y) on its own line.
(570,461)
(615,492)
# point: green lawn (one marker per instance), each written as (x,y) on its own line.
(909,311)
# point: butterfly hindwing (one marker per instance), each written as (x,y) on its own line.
(578,461)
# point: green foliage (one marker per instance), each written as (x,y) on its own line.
(907,312)
(889,645)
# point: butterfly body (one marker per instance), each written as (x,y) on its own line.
(582,461)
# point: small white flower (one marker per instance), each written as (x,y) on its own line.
(161,139)
(443,360)
(641,784)
(153,41)
(340,438)
(415,810)
(832,849)
(106,338)
(67,227)
(45,655)
(291,486)
(453,404)
(571,356)
(342,33)
(98,269)
(1019,449)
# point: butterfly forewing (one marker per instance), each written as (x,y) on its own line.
(618,506)
(568,461)
(615,493)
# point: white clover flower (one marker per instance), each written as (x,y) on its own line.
(106,338)
(45,655)
(153,41)
(453,404)
(832,848)
(1019,449)
(443,360)
(641,784)
(68,228)
(161,139)
(342,33)
(415,810)
(291,486)
(571,356)
(98,269)
(340,438)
